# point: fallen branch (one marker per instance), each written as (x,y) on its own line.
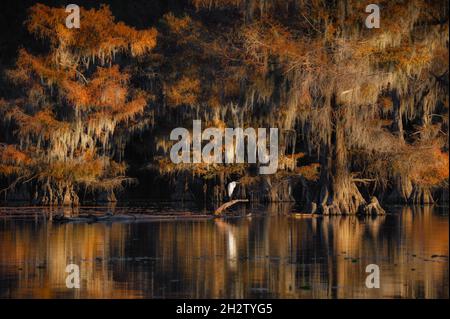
(224,206)
(17,181)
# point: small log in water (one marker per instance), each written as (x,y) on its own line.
(129,217)
(226,205)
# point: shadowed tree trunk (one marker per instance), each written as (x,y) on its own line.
(339,193)
(397,124)
(402,185)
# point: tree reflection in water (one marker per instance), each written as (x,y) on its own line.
(267,255)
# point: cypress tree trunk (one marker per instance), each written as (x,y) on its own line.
(402,185)
(338,192)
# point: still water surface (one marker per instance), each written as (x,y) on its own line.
(267,255)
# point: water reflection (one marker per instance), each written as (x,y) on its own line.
(268,255)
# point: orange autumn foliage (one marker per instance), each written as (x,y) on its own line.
(309,68)
(11,160)
(430,167)
(100,37)
(184,91)
(74,97)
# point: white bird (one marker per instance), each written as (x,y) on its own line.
(231,187)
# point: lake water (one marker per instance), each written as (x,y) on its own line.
(267,255)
